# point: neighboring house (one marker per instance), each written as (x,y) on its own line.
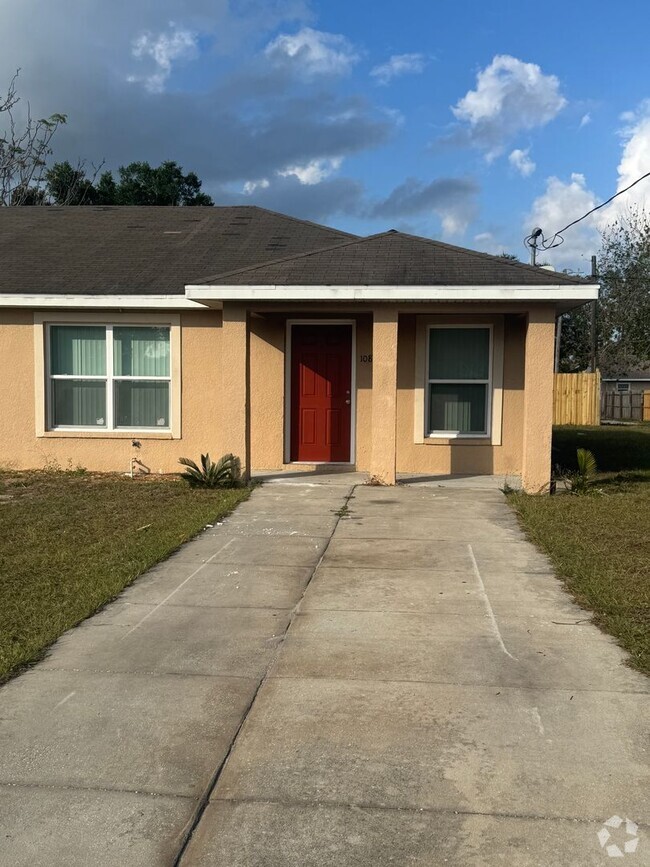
(165,332)
(622,398)
(633,382)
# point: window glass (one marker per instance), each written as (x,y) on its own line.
(140,351)
(85,393)
(78,350)
(459,353)
(457,407)
(141,403)
(78,403)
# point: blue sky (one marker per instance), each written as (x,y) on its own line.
(465,121)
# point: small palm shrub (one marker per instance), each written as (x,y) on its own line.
(224,473)
(581,481)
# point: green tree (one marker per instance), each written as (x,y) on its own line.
(27,195)
(142,184)
(624,310)
(138,183)
(575,347)
(106,190)
(66,185)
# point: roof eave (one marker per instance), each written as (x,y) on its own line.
(561,293)
(71,301)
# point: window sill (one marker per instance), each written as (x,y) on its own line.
(446,440)
(107,435)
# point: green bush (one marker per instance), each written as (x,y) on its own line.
(225,473)
(580,482)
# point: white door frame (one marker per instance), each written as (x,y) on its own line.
(287,388)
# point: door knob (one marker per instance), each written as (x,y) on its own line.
(348,401)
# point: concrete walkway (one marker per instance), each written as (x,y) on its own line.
(337,675)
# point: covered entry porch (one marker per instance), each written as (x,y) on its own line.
(383,357)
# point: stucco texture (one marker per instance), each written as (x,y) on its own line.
(220,413)
(201,428)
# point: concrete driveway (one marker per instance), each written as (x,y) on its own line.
(336,675)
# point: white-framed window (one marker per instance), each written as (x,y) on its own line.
(108,377)
(459,381)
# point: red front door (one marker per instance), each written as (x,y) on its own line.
(321,392)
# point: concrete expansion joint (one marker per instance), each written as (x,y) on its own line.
(196,605)
(436,811)
(67,787)
(144,673)
(570,691)
(207,794)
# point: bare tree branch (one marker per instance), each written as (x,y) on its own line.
(24,148)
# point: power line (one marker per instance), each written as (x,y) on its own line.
(549,245)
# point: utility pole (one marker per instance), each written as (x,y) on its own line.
(594,324)
(558,342)
(532,243)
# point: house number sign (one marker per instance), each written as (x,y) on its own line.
(366,359)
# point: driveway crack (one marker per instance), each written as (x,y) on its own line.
(204,800)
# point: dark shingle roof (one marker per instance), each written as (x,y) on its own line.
(142,250)
(391,259)
(642,373)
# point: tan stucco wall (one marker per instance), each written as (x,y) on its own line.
(538,396)
(383,421)
(214,401)
(469,456)
(267,387)
(201,396)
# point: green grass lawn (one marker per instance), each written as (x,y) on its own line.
(617,448)
(70,542)
(600,543)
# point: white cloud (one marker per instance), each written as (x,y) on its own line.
(313,52)
(635,161)
(510,96)
(398,64)
(521,162)
(562,202)
(312,172)
(252,186)
(239,119)
(307,174)
(165,48)
(489,242)
(585,120)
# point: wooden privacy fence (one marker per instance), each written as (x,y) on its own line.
(576,398)
(625,406)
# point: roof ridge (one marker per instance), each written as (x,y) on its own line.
(295,219)
(354,240)
(202,208)
(490,257)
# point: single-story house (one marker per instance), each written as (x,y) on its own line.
(165,332)
(632,382)
(626,397)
